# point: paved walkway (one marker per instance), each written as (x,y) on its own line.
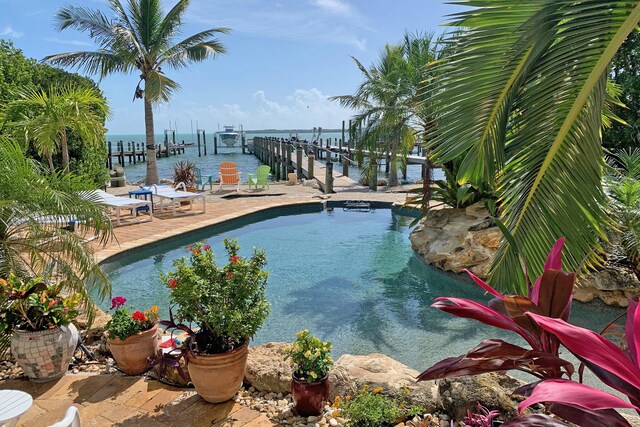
(114,400)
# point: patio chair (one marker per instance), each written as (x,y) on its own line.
(176,199)
(261,177)
(229,175)
(71,418)
(117,203)
(203,179)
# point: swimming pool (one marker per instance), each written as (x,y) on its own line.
(349,277)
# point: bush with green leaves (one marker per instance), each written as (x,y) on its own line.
(228,303)
(311,358)
(371,409)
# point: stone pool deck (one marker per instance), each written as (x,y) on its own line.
(116,400)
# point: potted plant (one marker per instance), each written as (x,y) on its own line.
(311,359)
(185,172)
(43,338)
(132,337)
(228,304)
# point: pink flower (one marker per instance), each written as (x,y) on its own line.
(234,259)
(117,302)
(173,282)
(53,302)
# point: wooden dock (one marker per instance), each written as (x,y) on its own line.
(136,152)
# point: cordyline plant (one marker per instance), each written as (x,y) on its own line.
(550,296)
(617,368)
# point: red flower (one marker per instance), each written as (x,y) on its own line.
(196,251)
(173,282)
(207,248)
(117,302)
(234,259)
(53,302)
(229,275)
(139,316)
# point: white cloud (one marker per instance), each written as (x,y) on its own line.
(334,6)
(71,42)
(8,31)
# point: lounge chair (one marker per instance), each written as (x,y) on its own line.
(229,175)
(175,199)
(261,177)
(118,203)
(203,179)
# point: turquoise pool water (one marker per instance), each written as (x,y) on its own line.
(349,277)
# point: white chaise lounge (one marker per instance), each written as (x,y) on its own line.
(170,199)
(119,203)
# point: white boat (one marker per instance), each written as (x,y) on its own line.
(230,136)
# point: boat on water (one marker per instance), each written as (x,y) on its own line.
(230,136)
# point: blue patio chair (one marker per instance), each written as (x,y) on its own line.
(203,179)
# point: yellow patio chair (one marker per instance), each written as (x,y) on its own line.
(229,175)
(261,177)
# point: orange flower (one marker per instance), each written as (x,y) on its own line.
(154,309)
(173,282)
(377,390)
(229,275)
(347,398)
(3,283)
(196,251)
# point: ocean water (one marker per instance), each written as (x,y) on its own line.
(209,164)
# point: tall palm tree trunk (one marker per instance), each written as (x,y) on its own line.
(64,148)
(152,167)
(393,171)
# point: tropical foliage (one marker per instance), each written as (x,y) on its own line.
(37,206)
(141,39)
(617,368)
(45,118)
(623,187)
(310,357)
(21,75)
(390,103)
(520,100)
(550,295)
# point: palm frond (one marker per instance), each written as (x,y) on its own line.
(158,87)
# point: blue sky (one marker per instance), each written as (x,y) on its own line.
(284,59)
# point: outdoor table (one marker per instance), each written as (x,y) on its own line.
(139,194)
(13,403)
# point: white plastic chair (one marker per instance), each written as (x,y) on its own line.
(71,419)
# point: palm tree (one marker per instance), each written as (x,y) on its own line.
(46,117)
(392,107)
(140,39)
(30,246)
(520,100)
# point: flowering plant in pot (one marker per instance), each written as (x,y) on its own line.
(132,337)
(43,338)
(311,359)
(185,172)
(228,305)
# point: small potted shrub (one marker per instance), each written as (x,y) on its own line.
(185,172)
(228,305)
(43,338)
(132,337)
(311,359)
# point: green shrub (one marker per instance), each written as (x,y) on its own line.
(311,357)
(371,409)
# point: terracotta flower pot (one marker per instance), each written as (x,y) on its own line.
(217,377)
(309,398)
(45,355)
(131,354)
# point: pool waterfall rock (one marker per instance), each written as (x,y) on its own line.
(457,239)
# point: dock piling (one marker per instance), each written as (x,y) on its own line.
(310,166)
(299,161)
(328,178)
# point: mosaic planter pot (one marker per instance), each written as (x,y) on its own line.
(45,355)
(131,354)
(217,377)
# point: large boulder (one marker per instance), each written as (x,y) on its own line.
(494,391)
(457,239)
(351,373)
(267,370)
(612,284)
